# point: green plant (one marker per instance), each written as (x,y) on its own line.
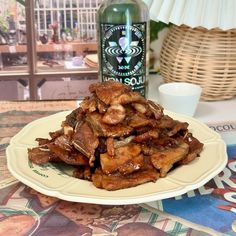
(3,24)
(68,30)
(22,2)
(156,27)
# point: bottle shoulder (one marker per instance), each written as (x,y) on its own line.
(122,4)
(118,10)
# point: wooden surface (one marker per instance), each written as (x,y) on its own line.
(74,46)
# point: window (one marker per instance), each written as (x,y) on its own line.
(44,44)
(72,16)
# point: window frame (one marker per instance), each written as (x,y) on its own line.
(34,75)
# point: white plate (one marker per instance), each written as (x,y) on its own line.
(54,181)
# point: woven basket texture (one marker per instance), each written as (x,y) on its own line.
(201,56)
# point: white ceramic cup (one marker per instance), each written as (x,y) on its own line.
(180,97)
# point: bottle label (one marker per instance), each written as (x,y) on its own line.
(123,54)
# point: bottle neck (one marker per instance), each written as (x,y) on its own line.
(121,1)
(123,11)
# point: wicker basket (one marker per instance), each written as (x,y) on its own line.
(201,56)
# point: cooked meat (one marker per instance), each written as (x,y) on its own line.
(159,144)
(177,127)
(72,118)
(79,172)
(156,109)
(89,104)
(190,157)
(127,98)
(105,130)
(125,165)
(42,141)
(110,147)
(166,122)
(64,142)
(142,108)
(83,172)
(108,90)
(102,107)
(40,156)
(194,144)
(164,160)
(85,140)
(171,126)
(68,130)
(102,147)
(117,139)
(164,141)
(127,159)
(149,150)
(123,141)
(131,149)
(149,135)
(114,115)
(195,148)
(71,158)
(56,134)
(139,120)
(118,181)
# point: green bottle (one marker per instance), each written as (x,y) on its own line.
(123,43)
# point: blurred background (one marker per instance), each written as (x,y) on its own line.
(48,48)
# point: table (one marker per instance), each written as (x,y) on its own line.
(24,211)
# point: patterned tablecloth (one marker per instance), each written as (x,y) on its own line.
(23,211)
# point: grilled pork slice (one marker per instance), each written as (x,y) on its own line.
(164,160)
(138,120)
(171,126)
(118,181)
(41,156)
(101,106)
(146,136)
(72,118)
(110,144)
(64,142)
(89,104)
(149,108)
(153,146)
(85,141)
(156,109)
(195,148)
(126,160)
(56,134)
(178,126)
(128,97)
(108,90)
(71,158)
(83,172)
(104,130)
(141,108)
(42,141)
(114,115)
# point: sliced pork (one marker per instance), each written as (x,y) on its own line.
(117,139)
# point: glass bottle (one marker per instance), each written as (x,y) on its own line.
(123,42)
